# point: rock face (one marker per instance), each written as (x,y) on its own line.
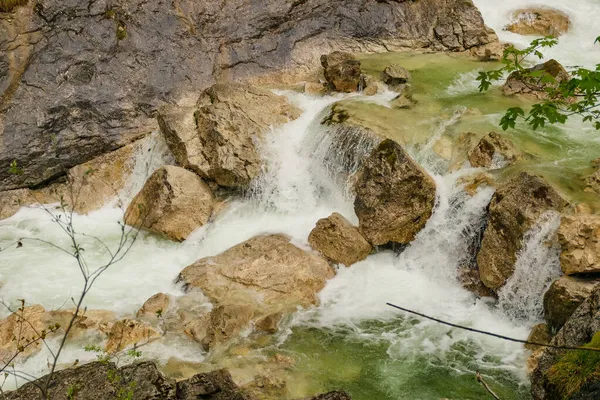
(261,277)
(395,75)
(563,297)
(493,150)
(539,334)
(514,209)
(143,380)
(173,202)
(577,331)
(579,236)
(230,120)
(338,240)
(593,182)
(519,83)
(394,196)
(539,21)
(57,85)
(342,71)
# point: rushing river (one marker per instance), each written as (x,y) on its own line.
(352,340)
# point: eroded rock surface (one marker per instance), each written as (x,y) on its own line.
(338,240)
(173,202)
(342,71)
(542,21)
(263,276)
(493,150)
(394,196)
(563,297)
(220,142)
(514,209)
(579,236)
(59,85)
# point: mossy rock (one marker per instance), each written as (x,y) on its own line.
(576,370)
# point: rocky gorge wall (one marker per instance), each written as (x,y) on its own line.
(79,79)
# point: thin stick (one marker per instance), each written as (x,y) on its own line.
(485,385)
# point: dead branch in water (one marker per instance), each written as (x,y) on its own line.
(485,385)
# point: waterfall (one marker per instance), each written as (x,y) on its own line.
(537,265)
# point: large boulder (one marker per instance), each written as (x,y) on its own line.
(579,236)
(230,120)
(261,277)
(68,98)
(539,334)
(522,83)
(563,297)
(394,196)
(173,202)
(579,329)
(338,240)
(342,71)
(493,151)
(514,209)
(542,21)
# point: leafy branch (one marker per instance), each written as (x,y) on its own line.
(578,95)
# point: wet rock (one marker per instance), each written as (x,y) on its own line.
(542,21)
(370,87)
(336,395)
(159,303)
(86,187)
(65,101)
(215,385)
(491,52)
(342,71)
(395,75)
(129,332)
(315,88)
(472,183)
(173,202)
(229,121)
(593,182)
(519,83)
(227,322)
(563,297)
(539,334)
(19,331)
(579,236)
(493,151)
(403,101)
(266,273)
(514,209)
(394,196)
(469,278)
(579,329)
(87,320)
(339,241)
(92,382)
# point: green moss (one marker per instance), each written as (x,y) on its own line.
(9,5)
(121,30)
(110,14)
(576,368)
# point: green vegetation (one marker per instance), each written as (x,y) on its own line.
(14,168)
(121,30)
(577,96)
(576,368)
(9,5)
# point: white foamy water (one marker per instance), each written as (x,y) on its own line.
(575,48)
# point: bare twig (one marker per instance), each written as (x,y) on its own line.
(485,385)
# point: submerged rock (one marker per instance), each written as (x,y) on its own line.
(563,297)
(230,121)
(514,209)
(173,202)
(519,83)
(263,276)
(338,240)
(579,236)
(543,21)
(336,395)
(342,71)
(593,182)
(394,196)
(493,151)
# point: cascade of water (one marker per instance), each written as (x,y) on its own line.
(537,265)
